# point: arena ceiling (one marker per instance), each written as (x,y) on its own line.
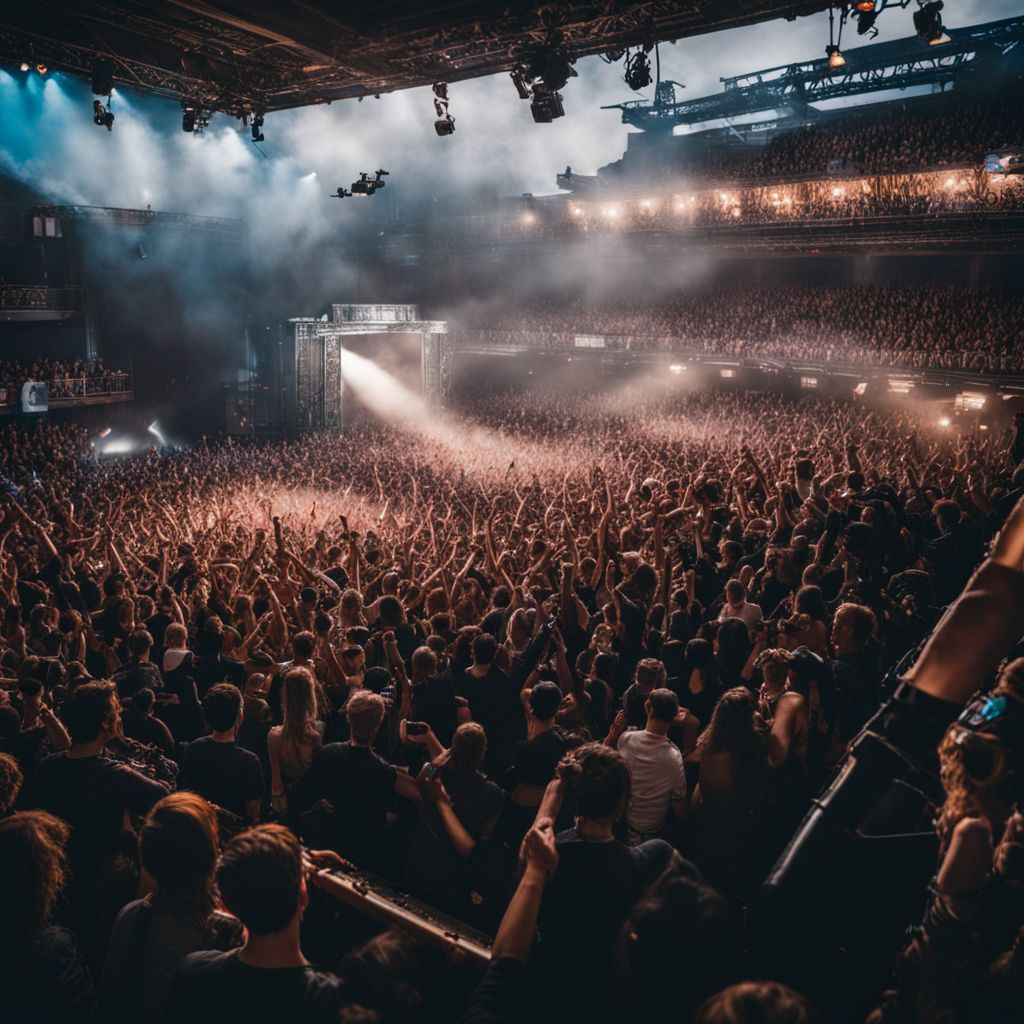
(272,54)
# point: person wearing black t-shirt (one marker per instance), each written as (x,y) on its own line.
(139,672)
(595,871)
(355,784)
(91,793)
(215,766)
(433,695)
(494,702)
(139,724)
(261,881)
(535,759)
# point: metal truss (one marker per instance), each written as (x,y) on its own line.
(116,216)
(228,59)
(882,66)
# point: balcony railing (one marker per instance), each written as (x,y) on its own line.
(113,386)
(19,297)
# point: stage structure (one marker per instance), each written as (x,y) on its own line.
(295,368)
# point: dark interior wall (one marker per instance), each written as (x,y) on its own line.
(25,342)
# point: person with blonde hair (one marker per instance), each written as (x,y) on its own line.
(178,846)
(293,744)
(355,784)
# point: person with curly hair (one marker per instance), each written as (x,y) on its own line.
(42,977)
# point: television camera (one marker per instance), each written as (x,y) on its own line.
(365,186)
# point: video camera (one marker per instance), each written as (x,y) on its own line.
(857,869)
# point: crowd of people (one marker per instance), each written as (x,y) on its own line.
(64,378)
(573,668)
(949,327)
(906,202)
(908,136)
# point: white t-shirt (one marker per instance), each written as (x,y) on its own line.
(656,768)
(751,614)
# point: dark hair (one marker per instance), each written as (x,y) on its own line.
(736,729)
(385,979)
(484,648)
(545,699)
(139,642)
(10,782)
(178,848)
(604,784)
(501,597)
(664,705)
(468,746)
(699,654)
(29,686)
(645,578)
(810,601)
(32,865)
(88,706)
(142,700)
(221,706)
(947,512)
(680,943)
(860,619)
(259,876)
(304,644)
(766,1002)
(390,611)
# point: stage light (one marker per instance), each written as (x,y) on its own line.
(25,66)
(677,367)
(638,69)
(577,211)
(727,374)
(833,54)
(257,124)
(188,119)
(102,76)
(945,421)
(865,6)
(928,23)
(154,429)
(859,389)
(529,218)
(41,68)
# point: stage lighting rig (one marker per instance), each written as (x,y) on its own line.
(833,53)
(102,117)
(638,68)
(445,123)
(928,23)
(257,124)
(189,113)
(102,77)
(25,66)
(342,193)
(546,104)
